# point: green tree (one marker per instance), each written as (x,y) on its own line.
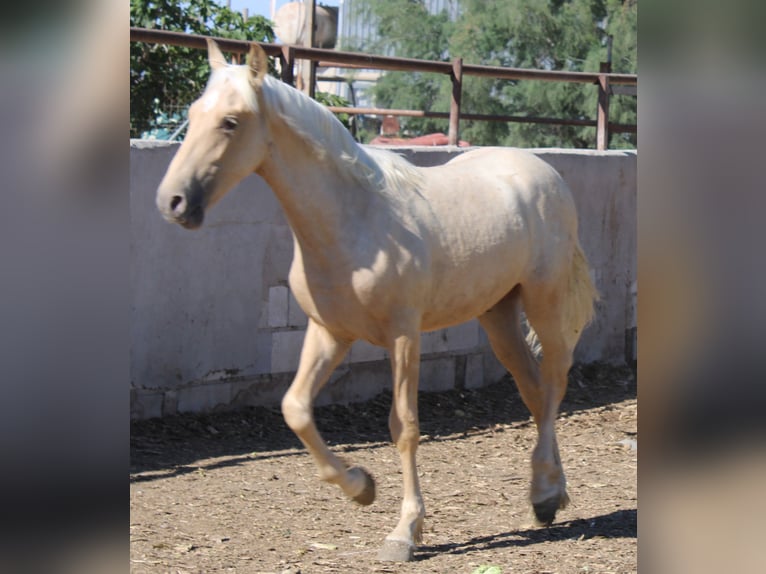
(568,35)
(546,34)
(620,24)
(407,29)
(164,80)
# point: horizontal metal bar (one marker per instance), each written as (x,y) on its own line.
(327,57)
(463,116)
(197,41)
(623,128)
(628,128)
(545,75)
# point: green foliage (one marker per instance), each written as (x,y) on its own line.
(328,99)
(406,25)
(546,34)
(572,36)
(407,29)
(164,80)
(621,25)
(165,125)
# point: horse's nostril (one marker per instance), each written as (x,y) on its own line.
(175,201)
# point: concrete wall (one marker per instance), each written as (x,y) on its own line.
(214,325)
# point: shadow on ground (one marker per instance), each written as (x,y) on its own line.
(617,524)
(172,445)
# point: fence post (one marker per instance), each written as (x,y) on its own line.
(308,67)
(240,58)
(287,58)
(454,109)
(602,119)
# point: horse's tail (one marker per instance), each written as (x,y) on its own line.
(577,311)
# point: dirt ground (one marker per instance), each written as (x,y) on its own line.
(235,492)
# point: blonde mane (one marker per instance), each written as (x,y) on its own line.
(375,170)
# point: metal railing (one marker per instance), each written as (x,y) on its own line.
(455,69)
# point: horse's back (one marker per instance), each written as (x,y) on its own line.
(521,167)
(503,216)
(500,195)
(510,185)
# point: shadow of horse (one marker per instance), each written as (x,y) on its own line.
(181,444)
(617,524)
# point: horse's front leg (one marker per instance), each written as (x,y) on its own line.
(321,353)
(399,546)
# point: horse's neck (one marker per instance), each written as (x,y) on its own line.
(313,194)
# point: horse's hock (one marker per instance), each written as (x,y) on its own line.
(214,324)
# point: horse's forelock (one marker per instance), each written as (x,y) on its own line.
(239,79)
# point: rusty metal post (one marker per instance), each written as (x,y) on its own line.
(602,119)
(454,109)
(287,58)
(308,67)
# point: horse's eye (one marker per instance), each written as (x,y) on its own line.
(229,124)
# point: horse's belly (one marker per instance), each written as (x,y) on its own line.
(467,291)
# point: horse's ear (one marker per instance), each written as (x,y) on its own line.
(214,55)
(258,64)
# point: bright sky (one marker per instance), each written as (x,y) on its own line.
(263,7)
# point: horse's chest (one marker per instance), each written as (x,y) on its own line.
(352,299)
(328,301)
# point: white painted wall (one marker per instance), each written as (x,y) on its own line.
(213,323)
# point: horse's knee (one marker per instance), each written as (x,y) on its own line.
(296,413)
(404,428)
(408,437)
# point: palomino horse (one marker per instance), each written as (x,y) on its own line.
(384,250)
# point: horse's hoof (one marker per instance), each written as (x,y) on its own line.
(545,511)
(396,551)
(367,496)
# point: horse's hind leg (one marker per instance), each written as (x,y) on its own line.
(321,353)
(547,313)
(502,324)
(540,389)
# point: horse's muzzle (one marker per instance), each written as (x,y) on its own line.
(178,209)
(193,218)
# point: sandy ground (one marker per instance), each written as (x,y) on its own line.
(235,492)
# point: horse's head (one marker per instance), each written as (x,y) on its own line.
(226,141)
